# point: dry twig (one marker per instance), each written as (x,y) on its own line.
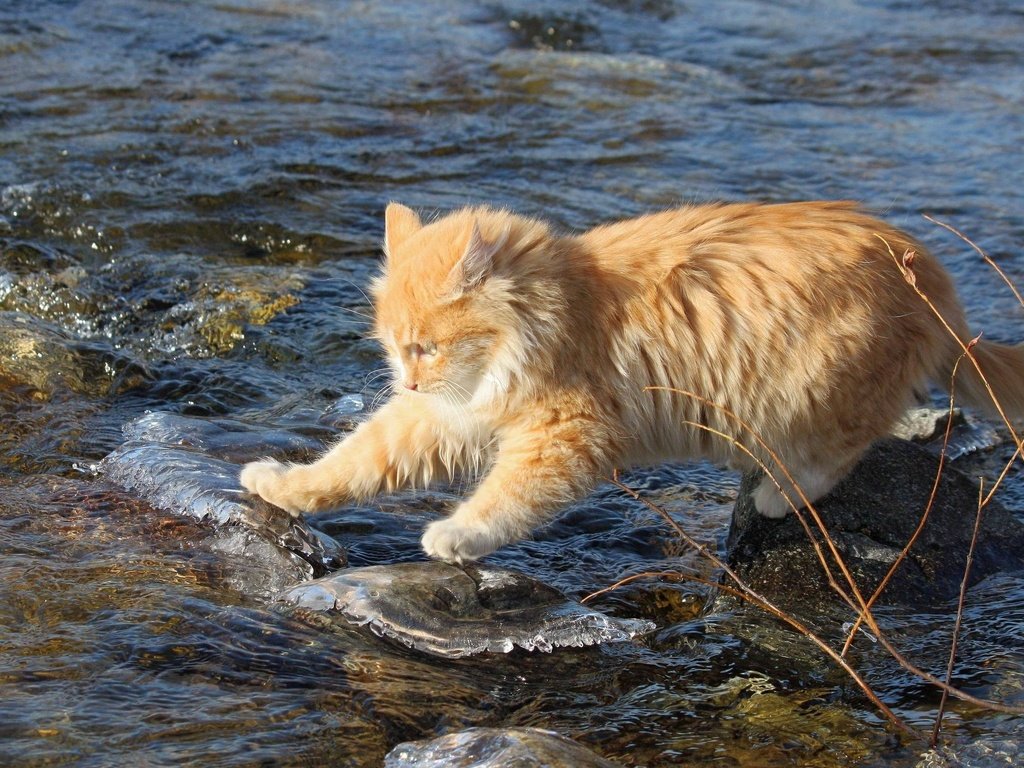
(959,612)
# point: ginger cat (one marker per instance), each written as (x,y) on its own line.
(523,355)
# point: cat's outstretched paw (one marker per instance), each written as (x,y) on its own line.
(456,541)
(269,480)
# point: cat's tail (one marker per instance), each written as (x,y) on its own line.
(1002,367)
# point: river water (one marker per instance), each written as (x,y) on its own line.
(191,198)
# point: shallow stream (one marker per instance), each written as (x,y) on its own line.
(191,199)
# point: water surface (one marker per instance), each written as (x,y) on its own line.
(191,198)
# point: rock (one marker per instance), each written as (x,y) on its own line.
(450,611)
(927,425)
(496,748)
(46,358)
(924,423)
(871,515)
(981,750)
(40,355)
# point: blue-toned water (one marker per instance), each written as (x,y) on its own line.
(191,199)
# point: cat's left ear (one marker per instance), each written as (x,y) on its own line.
(400,223)
(477,262)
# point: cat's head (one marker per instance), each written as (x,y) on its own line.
(446,309)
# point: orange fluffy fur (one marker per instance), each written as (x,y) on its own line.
(523,356)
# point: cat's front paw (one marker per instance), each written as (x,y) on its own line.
(458,541)
(270,480)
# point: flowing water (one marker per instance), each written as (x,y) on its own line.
(191,196)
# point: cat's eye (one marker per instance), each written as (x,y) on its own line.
(426,349)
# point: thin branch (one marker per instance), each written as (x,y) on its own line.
(959,611)
(985,256)
(673,575)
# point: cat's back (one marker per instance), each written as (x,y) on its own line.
(775,234)
(794,257)
(784,313)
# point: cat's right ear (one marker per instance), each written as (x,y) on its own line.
(400,223)
(477,262)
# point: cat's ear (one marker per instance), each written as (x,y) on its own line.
(400,223)
(477,261)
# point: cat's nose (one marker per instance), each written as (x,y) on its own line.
(411,385)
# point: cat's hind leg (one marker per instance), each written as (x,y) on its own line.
(813,481)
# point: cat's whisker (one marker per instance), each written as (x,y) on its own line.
(458,389)
(367,317)
(382,397)
(383,394)
(374,375)
(348,282)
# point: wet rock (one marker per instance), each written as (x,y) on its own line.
(39,355)
(450,611)
(981,751)
(173,473)
(496,748)
(923,423)
(184,306)
(928,425)
(870,516)
(46,358)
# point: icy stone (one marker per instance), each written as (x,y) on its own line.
(450,611)
(496,748)
(178,480)
(346,405)
(923,423)
(229,439)
(163,464)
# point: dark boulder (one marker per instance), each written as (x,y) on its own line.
(870,516)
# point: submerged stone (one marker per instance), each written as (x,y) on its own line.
(37,354)
(496,748)
(454,611)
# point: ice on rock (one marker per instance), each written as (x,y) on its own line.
(454,611)
(496,748)
(178,480)
(233,441)
(164,463)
